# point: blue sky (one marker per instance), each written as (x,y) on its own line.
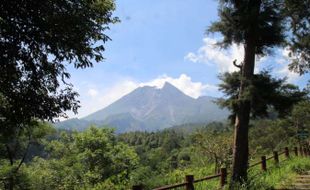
(163,40)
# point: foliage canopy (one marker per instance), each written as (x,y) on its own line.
(265,92)
(38,40)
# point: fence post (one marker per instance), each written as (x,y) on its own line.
(301,151)
(223,177)
(296,151)
(264,164)
(287,152)
(137,187)
(190,182)
(276,157)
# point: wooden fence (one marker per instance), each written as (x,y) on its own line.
(190,180)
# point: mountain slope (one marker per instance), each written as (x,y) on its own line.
(150,108)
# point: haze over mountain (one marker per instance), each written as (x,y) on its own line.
(150,108)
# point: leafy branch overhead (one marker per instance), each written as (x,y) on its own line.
(283,23)
(297,13)
(266,93)
(38,40)
(266,28)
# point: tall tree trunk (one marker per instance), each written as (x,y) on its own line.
(10,184)
(240,155)
(241,142)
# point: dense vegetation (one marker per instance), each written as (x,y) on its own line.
(39,39)
(97,158)
(41,157)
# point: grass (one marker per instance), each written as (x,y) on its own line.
(178,176)
(275,176)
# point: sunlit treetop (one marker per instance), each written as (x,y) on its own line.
(281,23)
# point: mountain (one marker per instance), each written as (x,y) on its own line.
(149,108)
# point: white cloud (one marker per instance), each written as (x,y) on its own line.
(193,57)
(184,83)
(115,92)
(103,97)
(285,72)
(222,58)
(211,54)
(92,92)
(283,59)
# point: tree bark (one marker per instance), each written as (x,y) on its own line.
(216,164)
(241,143)
(10,184)
(241,152)
(10,179)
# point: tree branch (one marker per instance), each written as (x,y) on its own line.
(25,153)
(236,65)
(9,154)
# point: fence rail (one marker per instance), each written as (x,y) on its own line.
(189,179)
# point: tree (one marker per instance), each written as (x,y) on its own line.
(267,136)
(301,118)
(216,146)
(38,39)
(266,93)
(14,154)
(258,25)
(301,114)
(92,159)
(298,14)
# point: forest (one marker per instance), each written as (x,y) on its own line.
(97,158)
(44,43)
